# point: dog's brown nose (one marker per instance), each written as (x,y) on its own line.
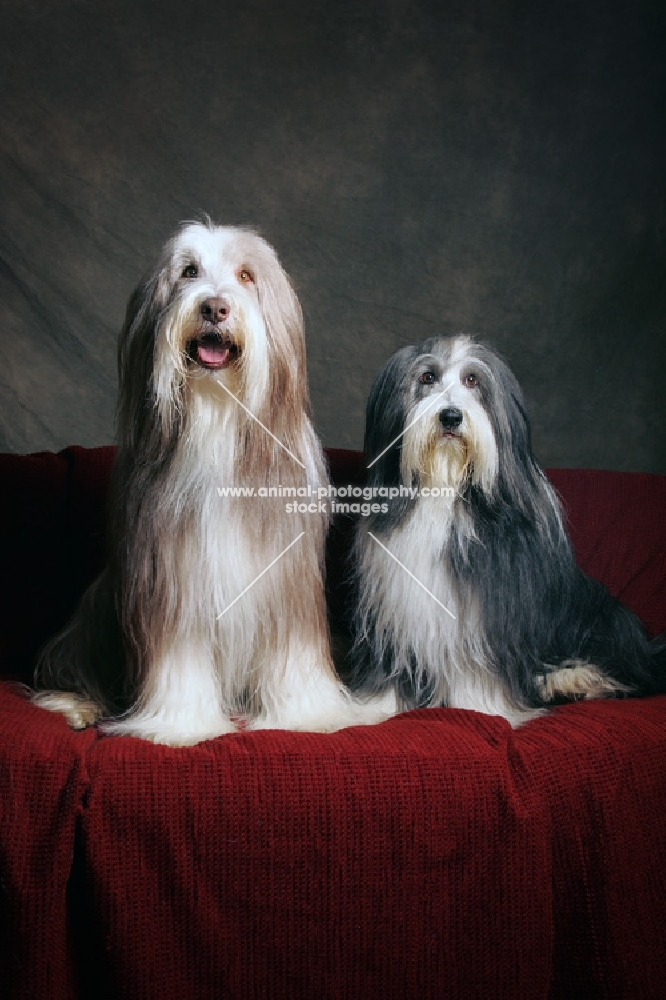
(215,310)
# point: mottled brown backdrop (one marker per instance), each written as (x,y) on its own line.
(421,167)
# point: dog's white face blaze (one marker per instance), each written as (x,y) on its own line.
(205,264)
(435,458)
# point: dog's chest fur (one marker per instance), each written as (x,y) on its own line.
(420,544)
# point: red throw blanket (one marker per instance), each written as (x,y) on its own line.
(440,854)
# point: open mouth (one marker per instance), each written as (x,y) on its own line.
(213,350)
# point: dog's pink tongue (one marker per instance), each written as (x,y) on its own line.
(213,353)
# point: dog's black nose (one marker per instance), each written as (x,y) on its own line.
(450,417)
(215,310)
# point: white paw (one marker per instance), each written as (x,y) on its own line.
(298,723)
(166,732)
(341,712)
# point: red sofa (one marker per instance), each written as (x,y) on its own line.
(440,854)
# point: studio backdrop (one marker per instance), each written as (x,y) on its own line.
(421,166)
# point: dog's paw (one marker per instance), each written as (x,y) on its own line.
(166,732)
(577,680)
(79,711)
(343,712)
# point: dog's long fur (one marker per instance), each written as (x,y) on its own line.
(523,628)
(163,641)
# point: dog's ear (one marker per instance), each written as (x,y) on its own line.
(283,319)
(136,357)
(385,416)
(520,485)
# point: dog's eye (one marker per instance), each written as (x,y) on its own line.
(191,271)
(428,378)
(470,381)
(245,276)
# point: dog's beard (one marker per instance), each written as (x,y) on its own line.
(435,461)
(432,457)
(192,357)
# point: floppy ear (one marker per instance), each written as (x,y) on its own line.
(283,319)
(136,359)
(386,413)
(505,405)
(521,483)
